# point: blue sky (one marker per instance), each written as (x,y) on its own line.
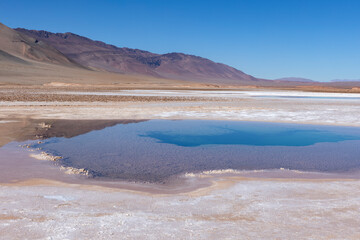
(316,39)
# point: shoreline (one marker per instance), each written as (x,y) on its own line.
(345,125)
(152,189)
(186,183)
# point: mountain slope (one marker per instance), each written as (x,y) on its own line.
(6,57)
(101,56)
(21,48)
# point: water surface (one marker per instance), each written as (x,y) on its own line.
(158,149)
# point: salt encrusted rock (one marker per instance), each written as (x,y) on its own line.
(46,156)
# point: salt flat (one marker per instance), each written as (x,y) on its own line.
(220,105)
(235,208)
(230,208)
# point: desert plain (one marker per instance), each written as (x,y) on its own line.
(39,200)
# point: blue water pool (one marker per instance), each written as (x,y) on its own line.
(158,149)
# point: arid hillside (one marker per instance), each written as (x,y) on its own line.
(101,56)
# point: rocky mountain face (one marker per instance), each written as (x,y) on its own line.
(104,57)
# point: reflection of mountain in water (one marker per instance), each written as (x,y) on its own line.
(31,129)
(73,128)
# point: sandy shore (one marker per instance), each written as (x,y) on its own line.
(220,207)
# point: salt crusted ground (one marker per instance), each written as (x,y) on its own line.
(225,105)
(235,209)
(232,208)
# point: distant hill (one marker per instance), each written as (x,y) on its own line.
(345,80)
(104,57)
(294,79)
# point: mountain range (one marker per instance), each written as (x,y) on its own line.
(100,56)
(42,57)
(345,80)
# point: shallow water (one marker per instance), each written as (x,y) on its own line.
(155,150)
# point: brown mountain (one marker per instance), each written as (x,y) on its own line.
(104,57)
(25,60)
(20,48)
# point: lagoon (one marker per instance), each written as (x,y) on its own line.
(156,150)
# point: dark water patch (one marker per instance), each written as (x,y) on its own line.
(156,150)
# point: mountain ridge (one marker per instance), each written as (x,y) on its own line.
(100,56)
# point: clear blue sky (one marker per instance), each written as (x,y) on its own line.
(317,39)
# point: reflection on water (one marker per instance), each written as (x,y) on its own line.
(157,149)
(31,129)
